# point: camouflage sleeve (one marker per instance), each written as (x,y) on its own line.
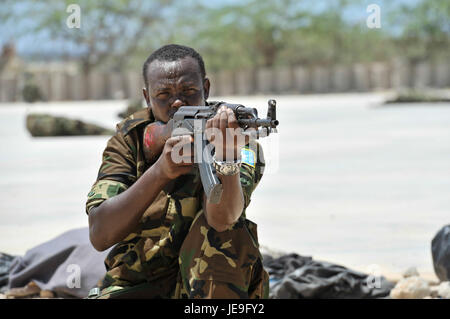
(117,171)
(102,190)
(252,169)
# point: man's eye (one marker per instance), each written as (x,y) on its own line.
(163,95)
(190,91)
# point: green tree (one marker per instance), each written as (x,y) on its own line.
(425,30)
(111,31)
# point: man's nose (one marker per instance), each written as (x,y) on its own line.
(177,103)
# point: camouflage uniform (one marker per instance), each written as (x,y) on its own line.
(174,253)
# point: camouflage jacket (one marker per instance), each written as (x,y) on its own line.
(151,251)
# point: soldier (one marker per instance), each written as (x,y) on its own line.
(170,242)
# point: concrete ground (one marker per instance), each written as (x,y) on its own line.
(347,181)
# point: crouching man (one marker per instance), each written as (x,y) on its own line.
(169,240)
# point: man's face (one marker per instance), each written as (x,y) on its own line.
(174,84)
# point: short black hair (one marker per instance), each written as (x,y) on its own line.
(173,52)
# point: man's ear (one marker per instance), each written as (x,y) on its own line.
(206,85)
(146,97)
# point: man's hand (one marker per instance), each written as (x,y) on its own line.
(177,157)
(224,132)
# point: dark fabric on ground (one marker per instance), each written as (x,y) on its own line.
(50,265)
(296,277)
(6,263)
(440,250)
(291,276)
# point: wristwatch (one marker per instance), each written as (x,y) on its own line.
(227,168)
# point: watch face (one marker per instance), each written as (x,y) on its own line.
(226,169)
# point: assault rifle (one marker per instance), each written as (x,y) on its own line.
(191,120)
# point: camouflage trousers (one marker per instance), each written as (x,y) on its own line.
(211,264)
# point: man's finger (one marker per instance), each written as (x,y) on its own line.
(223,121)
(187,159)
(182,139)
(208,123)
(209,131)
(232,121)
(216,120)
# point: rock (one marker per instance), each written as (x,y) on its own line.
(46,294)
(417,96)
(443,290)
(48,125)
(27,291)
(410,272)
(411,288)
(434,291)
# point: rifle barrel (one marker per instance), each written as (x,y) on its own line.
(259,122)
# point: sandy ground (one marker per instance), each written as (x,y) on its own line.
(347,182)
